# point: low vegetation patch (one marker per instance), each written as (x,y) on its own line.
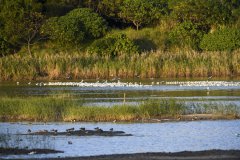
(67,109)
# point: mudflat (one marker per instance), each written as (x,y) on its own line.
(186,155)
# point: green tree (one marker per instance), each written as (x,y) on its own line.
(21,21)
(95,26)
(139,12)
(113,46)
(76,27)
(220,40)
(204,12)
(187,34)
(64,30)
(110,9)
(5,47)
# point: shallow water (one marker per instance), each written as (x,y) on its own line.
(147,137)
(224,91)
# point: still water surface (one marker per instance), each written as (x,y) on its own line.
(151,89)
(147,137)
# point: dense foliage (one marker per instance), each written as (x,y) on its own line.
(224,39)
(77,23)
(113,34)
(113,46)
(75,27)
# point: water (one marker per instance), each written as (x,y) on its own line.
(227,91)
(147,137)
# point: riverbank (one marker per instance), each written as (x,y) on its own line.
(66,109)
(17,151)
(189,155)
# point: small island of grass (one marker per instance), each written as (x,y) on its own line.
(67,109)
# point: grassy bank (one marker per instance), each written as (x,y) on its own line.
(52,64)
(63,109)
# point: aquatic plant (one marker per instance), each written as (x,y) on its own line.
(67,109)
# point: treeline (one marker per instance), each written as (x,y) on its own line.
(119,31)
(200,24)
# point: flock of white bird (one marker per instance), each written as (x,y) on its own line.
(204,83)
(96,84)
(135,84)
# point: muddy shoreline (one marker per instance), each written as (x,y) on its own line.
(185,155)
(17,151)
(187,117)
(189,155)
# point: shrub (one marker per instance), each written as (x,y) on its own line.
(113,46)
(64,30)
(94,25)
(224,39)
(5,47)
(75,27)
(187,34)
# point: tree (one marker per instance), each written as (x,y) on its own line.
(187,34)
(204,12)
(5,47)
(21,21)
(74,28)
(220,40)
(139,12)
(95,26)
(109,8)
(113,46)
(64,30)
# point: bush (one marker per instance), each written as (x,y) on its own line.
(187,34)
(224,39)
(64,30)
(5,47)
(113,46)
(75,27)
(94,25)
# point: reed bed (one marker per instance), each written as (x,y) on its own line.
(67,109)
(54,64)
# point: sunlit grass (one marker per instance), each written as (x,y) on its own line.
(61,65)
(66,109)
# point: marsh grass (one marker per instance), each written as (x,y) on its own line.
(62,108)
(76,65)
(231,111)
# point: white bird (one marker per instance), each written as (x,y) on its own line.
(33,152)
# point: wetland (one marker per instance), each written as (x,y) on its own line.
(157,115)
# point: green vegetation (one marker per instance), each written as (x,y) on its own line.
(113,46)
(67,109)
(56,38)
(75,27)
(141,12)
(75,65)
(224,39)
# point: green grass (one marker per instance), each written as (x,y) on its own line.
(67,109)
(59,65)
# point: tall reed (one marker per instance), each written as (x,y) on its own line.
(76,65)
